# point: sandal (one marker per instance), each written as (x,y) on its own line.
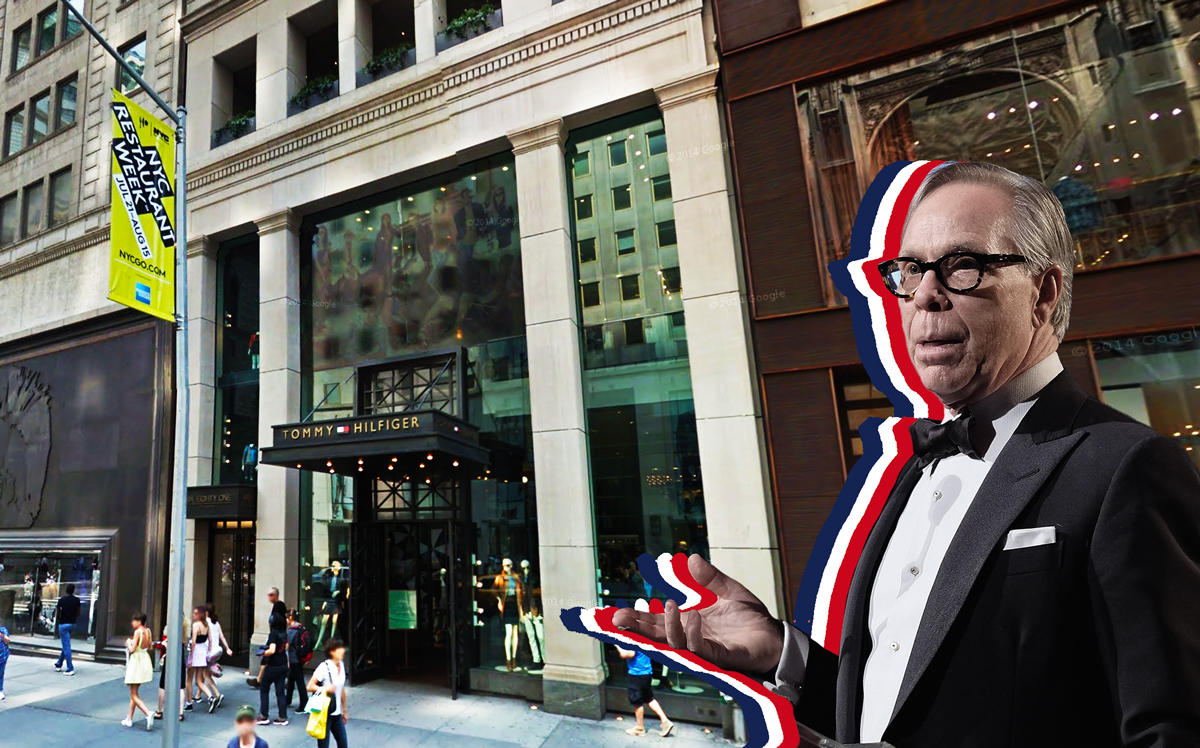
(158,715)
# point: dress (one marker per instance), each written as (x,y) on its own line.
(139,669)
(199,655)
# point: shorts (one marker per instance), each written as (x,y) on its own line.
(639,690)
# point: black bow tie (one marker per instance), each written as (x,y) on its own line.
(932,440)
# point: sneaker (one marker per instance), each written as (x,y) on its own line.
(280,722)
(636,731)
(263,721)
(2,696)
(220,700)
(126,723)
(68,672)
(666,728)
(149,722)
(58,667)
(212,705)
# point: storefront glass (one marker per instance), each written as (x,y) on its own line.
(431,269)
(236,431)
(1092,102)
(645,460)
(31,583)
(1153,377)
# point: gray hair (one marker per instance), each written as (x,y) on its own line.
(1037,229)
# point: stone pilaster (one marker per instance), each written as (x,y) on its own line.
(740,513)
(573,678)
(429,17)
(202,373)
(354,41)
(278,527)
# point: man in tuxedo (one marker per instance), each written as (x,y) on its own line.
(1034,576)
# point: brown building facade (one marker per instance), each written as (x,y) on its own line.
(1098,100)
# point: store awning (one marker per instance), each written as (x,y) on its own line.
(377,444)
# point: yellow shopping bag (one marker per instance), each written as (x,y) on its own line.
(318,715)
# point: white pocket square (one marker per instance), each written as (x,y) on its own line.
(1029,537)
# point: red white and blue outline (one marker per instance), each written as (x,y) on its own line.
(879,334)
(887,446)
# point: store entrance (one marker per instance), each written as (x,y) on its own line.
(231,583)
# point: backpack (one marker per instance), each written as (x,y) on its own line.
(304,645)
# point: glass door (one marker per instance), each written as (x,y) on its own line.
(231,583)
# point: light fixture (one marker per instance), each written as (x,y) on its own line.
(429,457)
(991,115)
(1176,112)
(524,478)
(1033,104)
(455,463)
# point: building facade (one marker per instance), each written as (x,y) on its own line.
(1098,100)
(467,330)
(85,386)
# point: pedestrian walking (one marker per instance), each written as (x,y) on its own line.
(161,646)
(330,677)
(66,613)
(138,668)
(278,608)
(3,658)
(299,653)
(274,672)
(198,660)
(217,645)
(641,671)
(243,722)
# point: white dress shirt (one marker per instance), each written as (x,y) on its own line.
(926,528)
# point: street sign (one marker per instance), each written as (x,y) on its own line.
(143,238)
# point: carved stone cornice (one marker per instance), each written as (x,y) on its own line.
(201,246)
(286,219)
(440,83)
(702,85)
(55,252)
(552,133)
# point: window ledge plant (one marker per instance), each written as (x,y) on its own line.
(471,20)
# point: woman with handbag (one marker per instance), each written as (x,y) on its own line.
(329,680)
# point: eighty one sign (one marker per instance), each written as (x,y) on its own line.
(142,260)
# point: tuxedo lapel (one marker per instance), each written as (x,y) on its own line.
(855,644)
(1020,470)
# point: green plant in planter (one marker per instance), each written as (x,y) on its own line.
(471,19)
(236,126)
(391,58)
(320,86)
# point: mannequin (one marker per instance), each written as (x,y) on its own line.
(331,608)
(535,629)
(510,599)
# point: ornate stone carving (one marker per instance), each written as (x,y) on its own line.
(24,445)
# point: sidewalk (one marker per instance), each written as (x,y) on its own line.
(45,708)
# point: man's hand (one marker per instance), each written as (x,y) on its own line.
(735,633)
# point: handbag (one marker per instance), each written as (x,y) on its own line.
(318,715)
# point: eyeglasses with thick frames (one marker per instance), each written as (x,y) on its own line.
(958,272)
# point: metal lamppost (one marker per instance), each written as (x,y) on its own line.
(178,116)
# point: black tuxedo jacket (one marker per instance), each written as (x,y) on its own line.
(1091,641)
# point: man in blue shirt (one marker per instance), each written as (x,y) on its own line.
(640,696)
(3,658)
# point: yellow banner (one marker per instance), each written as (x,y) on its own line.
(142,260)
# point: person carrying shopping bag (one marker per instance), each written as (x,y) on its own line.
(330,679)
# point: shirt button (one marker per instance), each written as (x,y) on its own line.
(937,495)
(895,646)
(914,570)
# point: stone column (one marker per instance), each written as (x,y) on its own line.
(429,17)
(573,678)
(738,505)
(354,41)
(278,531)
(279,69)
(211,103)
(202,381)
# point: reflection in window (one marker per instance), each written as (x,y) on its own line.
(236,432)
(60,197)
(134,54)
(65,108)
(41,118)
(14,130)
(645,463)
(34,579)
(10,220)
(581,164)
(47,24)
(587,250)
(22,47)
(583,208)
(1154,378)
(622,198)
(34,206)
(671,282)
(1098,112)
(662,187)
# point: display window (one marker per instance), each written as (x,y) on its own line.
(31,584)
